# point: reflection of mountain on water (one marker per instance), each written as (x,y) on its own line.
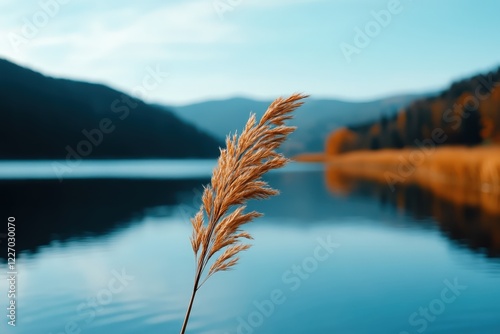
(470,217)
(49,210)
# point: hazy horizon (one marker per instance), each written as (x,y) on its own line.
(254,97)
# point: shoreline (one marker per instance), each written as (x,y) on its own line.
(469,175)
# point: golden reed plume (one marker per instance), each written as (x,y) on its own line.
(235,180)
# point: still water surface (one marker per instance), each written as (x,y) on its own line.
(110,253)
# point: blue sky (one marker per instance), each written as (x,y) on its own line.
(255,48)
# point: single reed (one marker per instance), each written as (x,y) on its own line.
(237,178)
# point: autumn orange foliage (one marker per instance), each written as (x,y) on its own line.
(468,113)
(490,116)
(340,141)
(468,175)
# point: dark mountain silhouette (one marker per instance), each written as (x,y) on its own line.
(315,120)
(47,118)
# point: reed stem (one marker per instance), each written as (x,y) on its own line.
(193,295)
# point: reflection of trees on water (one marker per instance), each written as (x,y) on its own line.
(469,216)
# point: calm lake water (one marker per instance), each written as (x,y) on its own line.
(106,250)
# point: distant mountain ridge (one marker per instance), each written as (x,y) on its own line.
(315,120)
(47,118)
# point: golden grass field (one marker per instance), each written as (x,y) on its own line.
(466,175)
(476,168)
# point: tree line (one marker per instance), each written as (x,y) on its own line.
(467,113)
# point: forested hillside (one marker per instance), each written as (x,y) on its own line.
(47,118)
(468,113)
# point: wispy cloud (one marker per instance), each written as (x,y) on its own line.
(258,48)
(78,42)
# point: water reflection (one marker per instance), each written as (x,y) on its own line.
(468,216)
(48,211)
(92,203)
(389,264)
